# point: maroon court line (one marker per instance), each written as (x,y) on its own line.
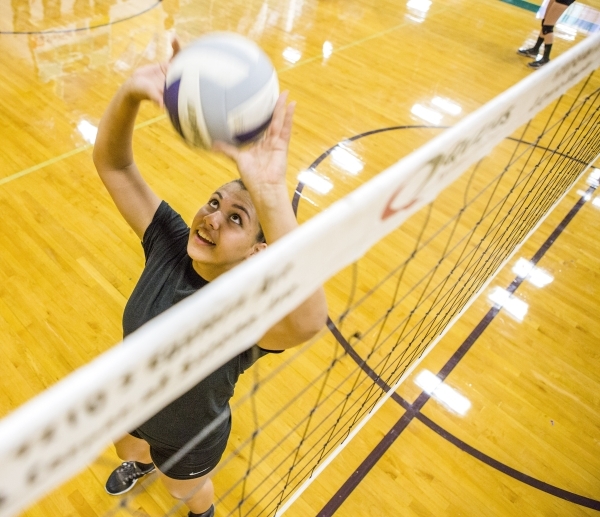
(413,410)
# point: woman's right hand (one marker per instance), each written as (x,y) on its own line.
(113,149)
(148,82)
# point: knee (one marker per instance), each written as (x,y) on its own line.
(547,29)
(187,491)
(133,449)
(124,452)
(182,494)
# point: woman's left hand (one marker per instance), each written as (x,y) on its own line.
(263,165)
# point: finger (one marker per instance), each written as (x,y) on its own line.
(175,45)
(160,99)
(286,129)
(154,93)
(157,98)
(227,149)
(160,83)
(278,115)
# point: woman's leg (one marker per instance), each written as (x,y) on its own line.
(130,448)
(533,51)
(135,454)
(198,494)
(553,13)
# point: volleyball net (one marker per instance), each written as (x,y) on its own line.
(460,205)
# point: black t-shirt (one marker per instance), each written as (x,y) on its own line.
(169,277)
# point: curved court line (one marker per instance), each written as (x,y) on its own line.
(509,471)
(414,410)
(79,29)
(317,162)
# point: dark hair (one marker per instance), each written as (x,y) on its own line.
(260,236)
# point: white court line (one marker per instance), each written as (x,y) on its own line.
(68,154)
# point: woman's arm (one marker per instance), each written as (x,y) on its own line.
(113,151)
(263,169)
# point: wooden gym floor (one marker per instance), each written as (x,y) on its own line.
(529,445)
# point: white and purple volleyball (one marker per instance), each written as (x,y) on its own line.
(221,86)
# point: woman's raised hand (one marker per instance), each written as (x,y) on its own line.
(264,164)
(148,82)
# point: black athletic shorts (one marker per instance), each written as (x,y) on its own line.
(194,464)
(565,2)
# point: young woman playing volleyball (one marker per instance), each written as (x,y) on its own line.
(238,221)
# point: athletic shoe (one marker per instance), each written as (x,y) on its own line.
(208,513)
(538,63)
(527,52)
(124,477)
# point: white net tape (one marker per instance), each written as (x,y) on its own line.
(55,435)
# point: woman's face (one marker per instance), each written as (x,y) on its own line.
(223,232)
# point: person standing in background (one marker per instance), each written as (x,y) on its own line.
(554,11)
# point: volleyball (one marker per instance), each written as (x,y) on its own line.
(221,86)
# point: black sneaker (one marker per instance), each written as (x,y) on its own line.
(208,513)
(527,52)
(538,63)
(124,477)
